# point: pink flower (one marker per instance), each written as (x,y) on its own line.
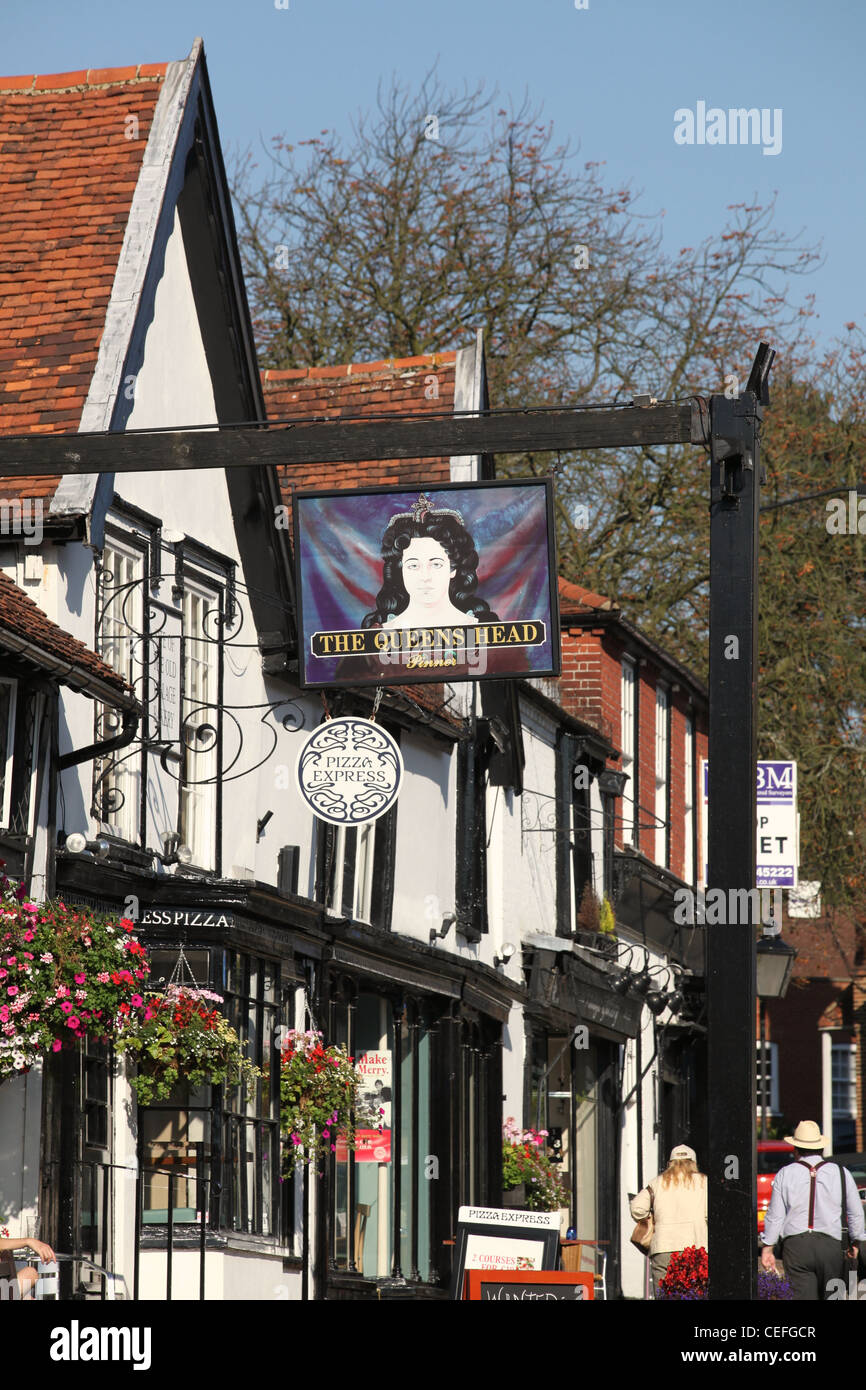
(80,979)
(66,1006)
(13,989)
(103,977)
(29,935)
(3,974)
(86,940)
(136,1001)
(56,1045)
(4,1014)
(61,991)
(46,957)
(73,1022)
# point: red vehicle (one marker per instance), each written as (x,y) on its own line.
(773,1154)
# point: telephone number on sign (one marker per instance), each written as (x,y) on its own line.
(772,871)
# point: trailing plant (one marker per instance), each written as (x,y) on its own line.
(318,1090)
(525,1162)
(64,971)
(181,1036)
(773,1288)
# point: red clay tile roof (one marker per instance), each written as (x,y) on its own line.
(70,155)
(399,385)
(20,616)
(573,598)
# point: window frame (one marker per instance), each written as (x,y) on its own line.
(662,845)
(629,738)
(130,540)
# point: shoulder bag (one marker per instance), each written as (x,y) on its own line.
(849,1260)
(641,1236)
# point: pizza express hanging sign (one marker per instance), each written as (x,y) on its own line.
(349,771)
(454,583)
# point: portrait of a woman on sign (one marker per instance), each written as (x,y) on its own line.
(429,572)
(440,584)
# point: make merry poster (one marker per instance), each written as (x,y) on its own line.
(443,583)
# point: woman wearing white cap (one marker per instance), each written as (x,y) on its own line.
(677,1199)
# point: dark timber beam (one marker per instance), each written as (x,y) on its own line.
(336,441)
(731,942)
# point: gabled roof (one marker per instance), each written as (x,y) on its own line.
(405,385)
(27,632)
(71,149)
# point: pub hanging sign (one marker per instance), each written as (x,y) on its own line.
(448,583)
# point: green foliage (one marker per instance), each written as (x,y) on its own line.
(606,919)
(180,1037)
(64,971)
(318,1089)
(525,1162)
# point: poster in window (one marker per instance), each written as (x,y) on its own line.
(441,583)
(372,1110)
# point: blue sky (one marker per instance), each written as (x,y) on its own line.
(610,77)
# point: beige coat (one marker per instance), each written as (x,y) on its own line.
(679,1213)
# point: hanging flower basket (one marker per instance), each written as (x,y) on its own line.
(64,971)
(318,1088)
(526,1165)
(179,1035)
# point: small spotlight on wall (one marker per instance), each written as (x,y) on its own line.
(506,952)
(76,843)
(447,923)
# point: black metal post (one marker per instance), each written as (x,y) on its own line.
(396,1138)
(764,1076)
(731,945)
(169,1237)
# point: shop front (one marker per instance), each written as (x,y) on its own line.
(428,1050)
(575,1026)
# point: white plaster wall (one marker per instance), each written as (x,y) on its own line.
(244,1276)
(275,785)
(426,831)
(513,1062)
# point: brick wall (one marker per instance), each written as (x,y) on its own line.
(591,689)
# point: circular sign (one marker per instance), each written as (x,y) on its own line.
(349,771)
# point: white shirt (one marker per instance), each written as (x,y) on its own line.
(788,1212)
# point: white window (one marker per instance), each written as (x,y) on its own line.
(689,801)
(120,642)
(843,1064)
(662,788)
(771,1064)
(8,701)
(629,810)
(352,885)
(199,723)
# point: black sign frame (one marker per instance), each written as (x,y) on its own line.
(399,673)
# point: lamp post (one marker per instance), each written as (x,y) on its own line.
(775,967)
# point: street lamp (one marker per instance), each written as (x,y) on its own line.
(775,966)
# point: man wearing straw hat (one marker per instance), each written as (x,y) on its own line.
(806,1212)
